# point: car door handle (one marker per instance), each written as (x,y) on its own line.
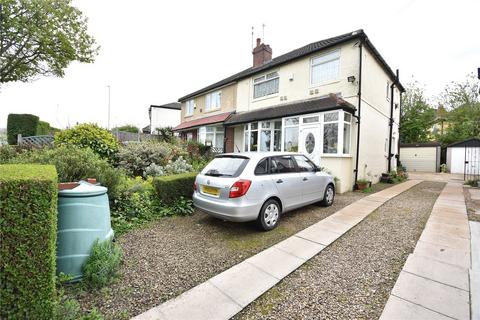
(279,181)
(305,178)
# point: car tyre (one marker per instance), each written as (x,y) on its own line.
(328,197)
(269,215)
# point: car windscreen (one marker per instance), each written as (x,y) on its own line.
(225,167)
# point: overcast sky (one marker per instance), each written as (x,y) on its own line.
(153,52)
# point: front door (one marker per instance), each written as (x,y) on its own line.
(309,143)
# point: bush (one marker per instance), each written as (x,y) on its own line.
(7,153)
(28,224)
(24,124)
(181,207)
(127,128)
(86,135)
(171,188)
(43,128)
(136,157)
(75,164)
(173,167)
(102,266)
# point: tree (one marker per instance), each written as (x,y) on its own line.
(41,37)
(417,116)
(127,128)
(463,118)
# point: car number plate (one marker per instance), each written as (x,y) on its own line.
(211,190)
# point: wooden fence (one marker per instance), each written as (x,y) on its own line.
(35,141)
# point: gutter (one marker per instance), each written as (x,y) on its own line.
(359,111)
(390,123)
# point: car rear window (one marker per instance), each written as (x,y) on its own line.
(225,167)
(262,167)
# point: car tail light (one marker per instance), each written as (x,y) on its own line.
(194,186)
(239,188)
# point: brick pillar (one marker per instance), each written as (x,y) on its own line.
(229,139)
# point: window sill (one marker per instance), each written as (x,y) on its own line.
(188,116)
(265,98)
(334,155)
(213,110)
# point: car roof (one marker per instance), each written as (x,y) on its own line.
(260,155)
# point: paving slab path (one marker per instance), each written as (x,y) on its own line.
(435,282)
(224,295)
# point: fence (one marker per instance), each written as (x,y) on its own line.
(35,141)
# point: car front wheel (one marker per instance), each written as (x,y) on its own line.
(269,215)
(329,196)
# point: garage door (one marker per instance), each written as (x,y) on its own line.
(419,159)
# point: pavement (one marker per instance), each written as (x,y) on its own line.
(227,293)
(440,279)
(436,176)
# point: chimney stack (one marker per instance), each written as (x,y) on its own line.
(261,53)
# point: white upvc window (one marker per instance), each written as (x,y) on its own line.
(389,92)
(211,136)
(266,85)
(325,68)
(330,132)
(347,132)
(263,136)
(213,100)
(290,134)
(189,106)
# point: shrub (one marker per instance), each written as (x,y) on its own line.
(28,221)
(43,128)
(24,124)
(127,128)
(102,265)
(180,206)
(75,164)
(88,135)
(136,157)
(173,167)
(7,153)
(170,188)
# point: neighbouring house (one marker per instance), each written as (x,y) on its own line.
(167,115)
(335,100)
(464,157)
(422,157)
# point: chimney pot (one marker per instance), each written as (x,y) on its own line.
(258,41)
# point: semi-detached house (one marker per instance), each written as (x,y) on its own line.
(335,100)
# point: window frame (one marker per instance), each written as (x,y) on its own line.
(312,84)
(208,107)
(264,76)
(214,132)
(247,130)
(188,104)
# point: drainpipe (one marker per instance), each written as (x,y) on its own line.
(359,110)
(390,124)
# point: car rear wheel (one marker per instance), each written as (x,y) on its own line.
(269,215)
(329,196)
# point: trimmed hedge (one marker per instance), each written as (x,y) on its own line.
(43,128)
(24,124)
(170,188)
(28,225)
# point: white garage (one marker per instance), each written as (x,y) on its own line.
(464,157)
(422,157)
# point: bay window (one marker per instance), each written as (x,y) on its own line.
(265,85)
(189,106)
(213,100)
(259,136)
(290,140)
(325,68)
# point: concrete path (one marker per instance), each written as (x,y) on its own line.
(434,282)
(436,176)
(224,295)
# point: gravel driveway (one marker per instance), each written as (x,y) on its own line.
(173,255)
(352,278)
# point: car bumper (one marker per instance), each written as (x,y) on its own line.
(237,210)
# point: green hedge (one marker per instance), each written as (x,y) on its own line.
(28,224)
(170,188)
(24,124)
(43,128)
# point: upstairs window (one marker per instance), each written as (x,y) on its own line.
(213,101)
(389,91)
(325,68)
(190,105)
(266,85)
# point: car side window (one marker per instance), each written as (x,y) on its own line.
(304,164)
(283,164)
(262,167)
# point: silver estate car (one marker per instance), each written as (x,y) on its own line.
(260,186)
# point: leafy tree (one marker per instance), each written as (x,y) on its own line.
(458,94)
(41,37)
(417,116)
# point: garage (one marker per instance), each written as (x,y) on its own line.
(464,157)
(421,157)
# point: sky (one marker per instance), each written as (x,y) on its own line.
(153,52)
